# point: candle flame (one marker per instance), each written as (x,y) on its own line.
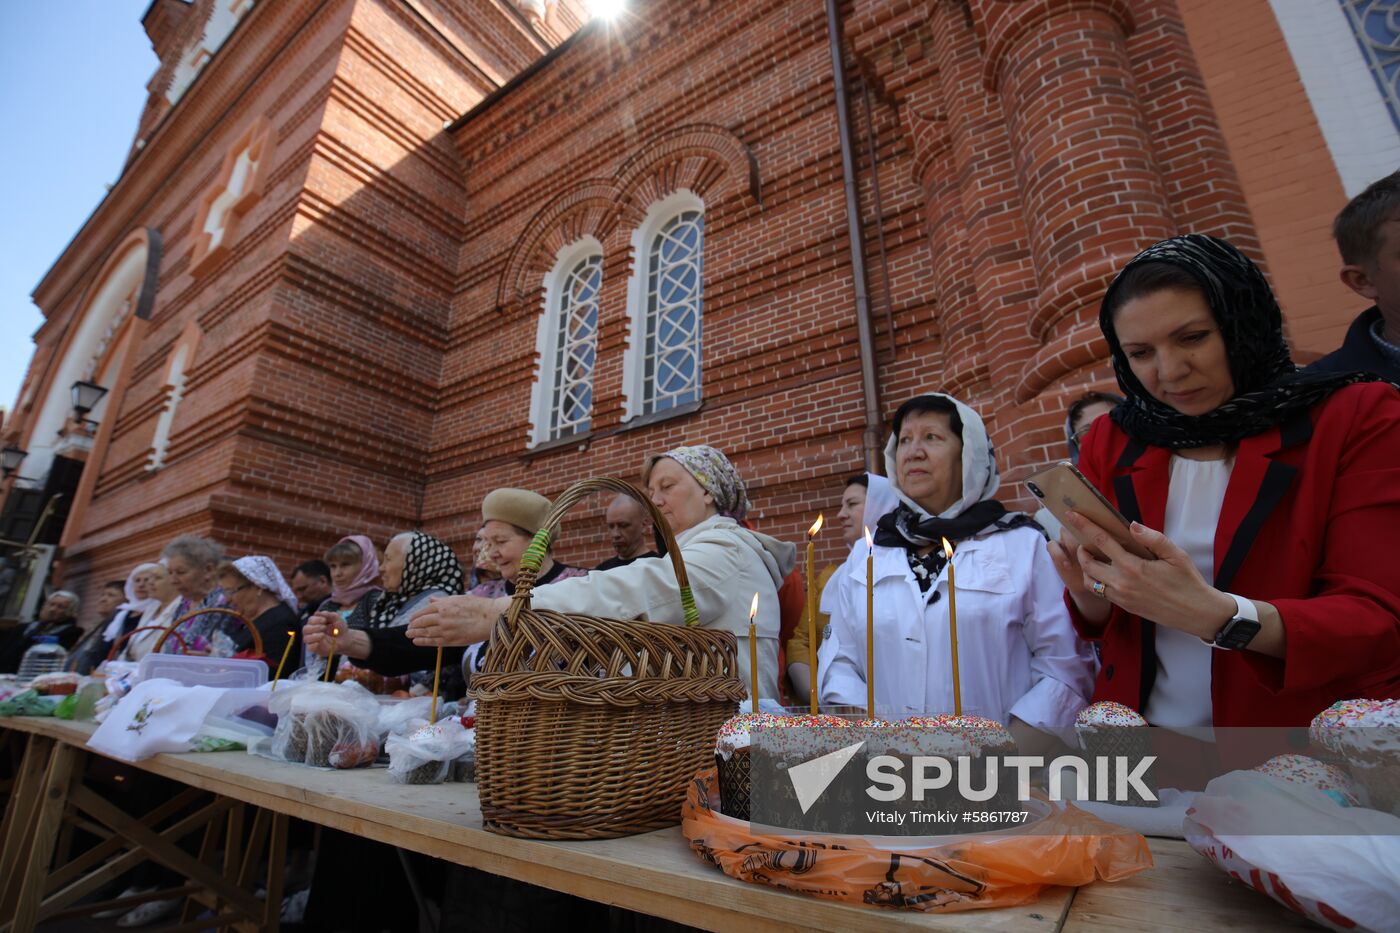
(291,634)
(335,633)
(947,549)
(869,542)
(816,526)
(753,608)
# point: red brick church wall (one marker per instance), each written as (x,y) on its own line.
(368,342)
(1026,150)
(320,332)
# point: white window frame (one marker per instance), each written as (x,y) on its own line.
(633,363)
(547,335)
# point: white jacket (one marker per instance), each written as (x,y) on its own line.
(1018,655)
(726,564)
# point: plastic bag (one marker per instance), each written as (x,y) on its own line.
(67,707)
(405,716)
(425,755)
(1069,847)
(1338,866)
(29,703)
(326,725)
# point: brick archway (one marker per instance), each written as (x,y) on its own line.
(589,208)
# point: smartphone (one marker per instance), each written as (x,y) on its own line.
(1062,488)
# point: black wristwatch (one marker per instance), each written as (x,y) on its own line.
(1236,634)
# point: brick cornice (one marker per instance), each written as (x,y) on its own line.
(891,42)
(205,107)
(577,75)
(1006,22)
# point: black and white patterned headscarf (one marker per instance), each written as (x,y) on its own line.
(429,564)
(1269,388)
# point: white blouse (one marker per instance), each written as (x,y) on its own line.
(1180,697)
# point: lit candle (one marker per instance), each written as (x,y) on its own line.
(753,654)
(953,628)
(291,637)
(812,598)
(335,634)
(869,625)
(437,679)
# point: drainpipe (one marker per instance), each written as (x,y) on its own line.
(870,439)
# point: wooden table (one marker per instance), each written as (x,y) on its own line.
(655,873)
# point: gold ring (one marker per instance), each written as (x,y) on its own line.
(1099,589)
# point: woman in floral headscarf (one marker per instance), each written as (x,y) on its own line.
(704,500)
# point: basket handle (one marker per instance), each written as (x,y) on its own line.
(215,610)
(112,652)
(534,554)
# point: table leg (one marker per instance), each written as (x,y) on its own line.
(19,816)
(276,872)
(57,781)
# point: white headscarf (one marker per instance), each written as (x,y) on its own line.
(132,605)
(880,498)
(980,478)
(263,573)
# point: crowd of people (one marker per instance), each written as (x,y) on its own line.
(1261,489)
(1264,495)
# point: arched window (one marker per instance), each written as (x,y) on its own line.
(662,368)
(567,343)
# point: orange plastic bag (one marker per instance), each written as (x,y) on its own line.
(998,869)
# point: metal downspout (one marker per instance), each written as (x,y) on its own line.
(870,439)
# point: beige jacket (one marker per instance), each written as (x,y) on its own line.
(726,564)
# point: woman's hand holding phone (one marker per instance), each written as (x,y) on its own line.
(1065,555)
(1168,589)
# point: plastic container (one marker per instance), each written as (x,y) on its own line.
(195,671)
(45,656)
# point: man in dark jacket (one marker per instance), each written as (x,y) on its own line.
(1368,235)
(58,617)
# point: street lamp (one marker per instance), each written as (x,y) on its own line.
(86,395)
(10,459)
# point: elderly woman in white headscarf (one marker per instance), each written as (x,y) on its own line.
(137,602)
(257,591)
(1020,661)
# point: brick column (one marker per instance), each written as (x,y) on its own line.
(987,341)
(1092,193)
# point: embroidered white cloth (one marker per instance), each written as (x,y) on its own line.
(156,716)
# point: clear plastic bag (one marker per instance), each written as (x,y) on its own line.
(426,755)
(404,716)
(326,725)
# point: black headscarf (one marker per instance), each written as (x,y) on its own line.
(428,564)
(1269,388)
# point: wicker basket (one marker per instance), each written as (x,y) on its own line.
(592,728)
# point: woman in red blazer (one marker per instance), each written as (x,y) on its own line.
(1276,585)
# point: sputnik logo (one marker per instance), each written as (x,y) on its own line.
(811,778)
